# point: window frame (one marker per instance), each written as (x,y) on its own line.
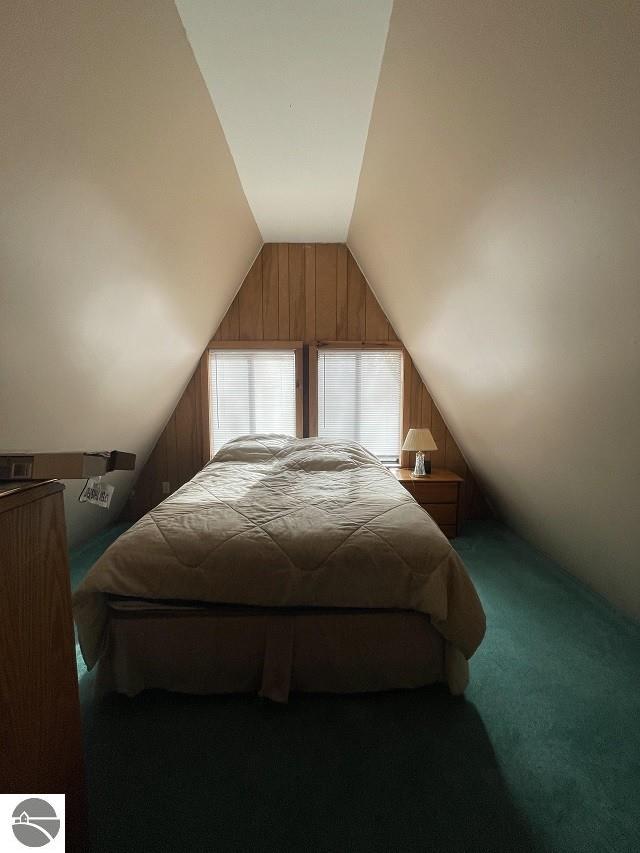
(266,346)
(373,345)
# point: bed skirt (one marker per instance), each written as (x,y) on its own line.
(270,651)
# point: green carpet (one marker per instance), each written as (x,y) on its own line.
(543,754)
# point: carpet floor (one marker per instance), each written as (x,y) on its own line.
(543,753)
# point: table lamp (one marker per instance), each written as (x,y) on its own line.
(420,440)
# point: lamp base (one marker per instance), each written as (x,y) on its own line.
(422,466)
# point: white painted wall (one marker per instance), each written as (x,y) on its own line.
(124,230)
(498,221)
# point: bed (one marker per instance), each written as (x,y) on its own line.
(285,564)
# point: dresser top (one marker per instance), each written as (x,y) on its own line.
(14,494)
(437,475)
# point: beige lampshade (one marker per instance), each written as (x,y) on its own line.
(419,439)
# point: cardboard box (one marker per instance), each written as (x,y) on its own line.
(63,466)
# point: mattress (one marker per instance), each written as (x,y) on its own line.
(211,649)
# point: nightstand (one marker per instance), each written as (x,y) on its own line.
(438,493)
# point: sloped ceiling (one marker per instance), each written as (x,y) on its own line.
(124,230)
(293,82)
(498,221)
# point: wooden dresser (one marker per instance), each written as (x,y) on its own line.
(41,747)
(438,493)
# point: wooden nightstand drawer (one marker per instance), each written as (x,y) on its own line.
(438,494)
(442,513)
(432,493)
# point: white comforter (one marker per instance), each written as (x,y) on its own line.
(278,521)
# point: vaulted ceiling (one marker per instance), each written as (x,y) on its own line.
(496,220)
(124,230)
(293,83)
(492,154)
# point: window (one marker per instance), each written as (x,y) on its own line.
(360,398)
(252,391)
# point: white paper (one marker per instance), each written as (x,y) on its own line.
(97,492)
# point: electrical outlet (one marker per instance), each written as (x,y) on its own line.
(166,488)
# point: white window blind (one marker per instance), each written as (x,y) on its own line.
(251,391)
(360,398)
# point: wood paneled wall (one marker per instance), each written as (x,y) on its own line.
(295,291)
(304,292)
